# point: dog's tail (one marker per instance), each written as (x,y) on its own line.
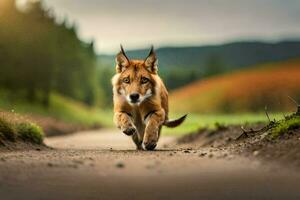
(175,122)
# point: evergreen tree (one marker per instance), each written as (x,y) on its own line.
(39,56)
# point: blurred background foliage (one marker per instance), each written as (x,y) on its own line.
(39,56)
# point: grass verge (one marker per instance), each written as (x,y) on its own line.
(281,127)
(195,121)
(20,131)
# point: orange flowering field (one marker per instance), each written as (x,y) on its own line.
(243,91)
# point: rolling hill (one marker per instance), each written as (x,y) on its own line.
(232,55)
(242,91)
(179,66)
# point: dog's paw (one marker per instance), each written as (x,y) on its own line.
(150,138)
(150,146)
(129,131)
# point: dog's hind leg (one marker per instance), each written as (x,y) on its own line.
(138,142)
(153,128)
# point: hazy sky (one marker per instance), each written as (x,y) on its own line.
(139,23)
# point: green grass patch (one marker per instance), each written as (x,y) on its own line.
(25,131)
(30,132)
(61,108)
(195,121)
(283,126)
(7,130)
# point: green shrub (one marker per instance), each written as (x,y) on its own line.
(7,130)
(30,132)
(283,126)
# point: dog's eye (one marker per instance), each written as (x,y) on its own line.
(144,80)
(126,80)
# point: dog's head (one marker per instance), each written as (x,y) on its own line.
(135,79)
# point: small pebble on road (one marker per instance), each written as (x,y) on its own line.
(202,154)
(120,164)
(50,164)
(255,153)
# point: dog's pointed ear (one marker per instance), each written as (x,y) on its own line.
(151,61)
(122,61)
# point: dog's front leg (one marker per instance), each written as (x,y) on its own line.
(153,124)
(124,122)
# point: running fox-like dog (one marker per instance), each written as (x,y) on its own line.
(140,100)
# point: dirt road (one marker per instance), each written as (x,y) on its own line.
(104,165)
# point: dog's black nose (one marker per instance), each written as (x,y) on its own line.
(134,97)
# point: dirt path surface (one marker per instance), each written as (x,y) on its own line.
(104,165)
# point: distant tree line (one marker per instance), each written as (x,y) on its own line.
(39,56)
